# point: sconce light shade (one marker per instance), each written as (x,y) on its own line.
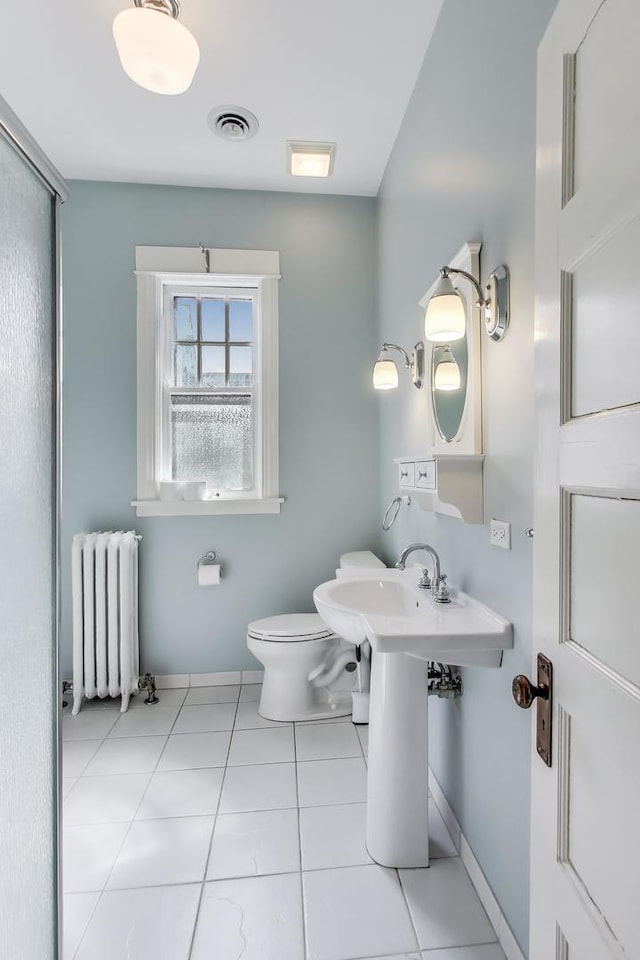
(156,51)
(385,372)
(447,373)
(445,318)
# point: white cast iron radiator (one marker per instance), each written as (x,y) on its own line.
(104,579)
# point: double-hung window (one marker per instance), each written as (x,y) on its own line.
(207,383)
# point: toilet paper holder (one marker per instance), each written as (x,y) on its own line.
(208,559)
(208,570)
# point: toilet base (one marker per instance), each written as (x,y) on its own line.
(321,705)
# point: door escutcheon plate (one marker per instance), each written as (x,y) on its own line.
(544,709)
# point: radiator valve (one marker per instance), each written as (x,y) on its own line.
(148,683)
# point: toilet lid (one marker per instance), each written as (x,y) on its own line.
(290,627)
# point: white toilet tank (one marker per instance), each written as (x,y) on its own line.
(359,561)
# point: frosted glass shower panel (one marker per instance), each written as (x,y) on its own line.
(27,571)
(212,440)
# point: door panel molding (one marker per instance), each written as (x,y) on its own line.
(568,127)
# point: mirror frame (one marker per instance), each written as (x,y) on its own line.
(468,439)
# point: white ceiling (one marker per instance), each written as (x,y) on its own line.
(338,70)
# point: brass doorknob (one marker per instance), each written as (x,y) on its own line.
(524,692)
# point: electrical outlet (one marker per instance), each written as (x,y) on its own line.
(500,535)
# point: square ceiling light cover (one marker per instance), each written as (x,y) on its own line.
(306,159)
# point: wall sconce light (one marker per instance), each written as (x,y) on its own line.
(444,320)
(385,371)
(156,51)
(447,372)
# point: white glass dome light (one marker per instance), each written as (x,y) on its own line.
(156,51)
(445,317)
(447,373)
(385,372)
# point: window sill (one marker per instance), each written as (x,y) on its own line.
(199,508)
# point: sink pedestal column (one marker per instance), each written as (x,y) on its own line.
(398,778)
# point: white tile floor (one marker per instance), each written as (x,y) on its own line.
(194,829)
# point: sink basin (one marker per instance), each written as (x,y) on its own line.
(341,603)
(396,616)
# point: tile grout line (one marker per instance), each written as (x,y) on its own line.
(364,756)
(61,843)
(408,908)
(131,821)
(213,831)
(302,910)
(275,873)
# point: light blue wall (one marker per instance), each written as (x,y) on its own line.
(328,414)
(463,169)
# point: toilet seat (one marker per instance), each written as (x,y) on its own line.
(290,628)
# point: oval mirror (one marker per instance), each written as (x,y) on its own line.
(449,376)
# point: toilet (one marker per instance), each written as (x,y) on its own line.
(295,647)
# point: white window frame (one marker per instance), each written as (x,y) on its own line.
(161,271)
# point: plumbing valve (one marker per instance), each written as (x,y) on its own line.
(148,683)
(442,683)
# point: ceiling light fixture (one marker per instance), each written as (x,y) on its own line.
(156,51)
(385,371)
(306,159)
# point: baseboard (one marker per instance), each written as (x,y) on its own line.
(169,681)
(497,919)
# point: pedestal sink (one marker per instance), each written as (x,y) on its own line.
(404,626)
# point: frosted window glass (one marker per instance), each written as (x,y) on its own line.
(212,319)
(240,367)
(185,318)
(212,439)
(240,320)
(27,576)
(213,363)
(185,365)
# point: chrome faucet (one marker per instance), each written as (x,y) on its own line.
(437,584)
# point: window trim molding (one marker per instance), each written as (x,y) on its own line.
(153,274)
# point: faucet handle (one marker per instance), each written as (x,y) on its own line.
(425,580)
(442,591)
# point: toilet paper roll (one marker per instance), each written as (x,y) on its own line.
(208,574)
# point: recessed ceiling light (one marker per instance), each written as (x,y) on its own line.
(306,159)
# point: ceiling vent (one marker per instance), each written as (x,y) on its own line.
(233,123)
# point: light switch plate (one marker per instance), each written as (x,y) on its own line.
(500,535)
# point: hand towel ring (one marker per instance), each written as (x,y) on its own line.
(392,511)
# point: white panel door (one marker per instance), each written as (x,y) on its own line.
(585,851)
